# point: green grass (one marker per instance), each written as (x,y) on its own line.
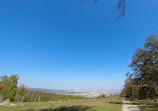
(152,106)
(148,106)
(107,104)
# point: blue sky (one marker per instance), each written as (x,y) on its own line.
(65,44)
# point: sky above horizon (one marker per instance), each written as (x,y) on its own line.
(66,44)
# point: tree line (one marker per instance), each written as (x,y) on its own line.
(142,81)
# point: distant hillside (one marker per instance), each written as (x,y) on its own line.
(81,93)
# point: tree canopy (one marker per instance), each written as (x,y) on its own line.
(8,86)
(144,67)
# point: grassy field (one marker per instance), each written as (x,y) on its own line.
(151,106)
(107,104)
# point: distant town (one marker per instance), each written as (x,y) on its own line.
(82,93)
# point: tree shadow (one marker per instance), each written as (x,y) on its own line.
(115,102)
(142,105)
(149,107)
(64,108)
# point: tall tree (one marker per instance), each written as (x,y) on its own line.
(145,67)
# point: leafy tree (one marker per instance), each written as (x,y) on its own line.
(130,90)
(145,68)
(10,88)
(22,90)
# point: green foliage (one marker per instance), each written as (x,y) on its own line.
(39,96)
(145,69)
(10,88)
(147,92)
(53,97)
(101,96)
(31,96)
(130,90)
(22,90)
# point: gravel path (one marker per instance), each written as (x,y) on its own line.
(128,106)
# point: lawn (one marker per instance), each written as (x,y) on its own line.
(107,104)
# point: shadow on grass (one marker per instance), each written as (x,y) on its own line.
(64,108)
(115,102)
(147,106)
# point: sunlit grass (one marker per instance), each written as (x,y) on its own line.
(152,106)
(107,104)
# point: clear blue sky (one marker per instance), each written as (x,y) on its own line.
(62,44)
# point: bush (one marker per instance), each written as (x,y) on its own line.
(101,96)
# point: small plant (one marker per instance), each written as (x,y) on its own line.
(101,96)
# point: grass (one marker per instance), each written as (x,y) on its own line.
(107,104)
(147,106)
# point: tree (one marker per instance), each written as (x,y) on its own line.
(145,68)
(1,86)
(10,88)
(130,90)
(121,8)
(22,90)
